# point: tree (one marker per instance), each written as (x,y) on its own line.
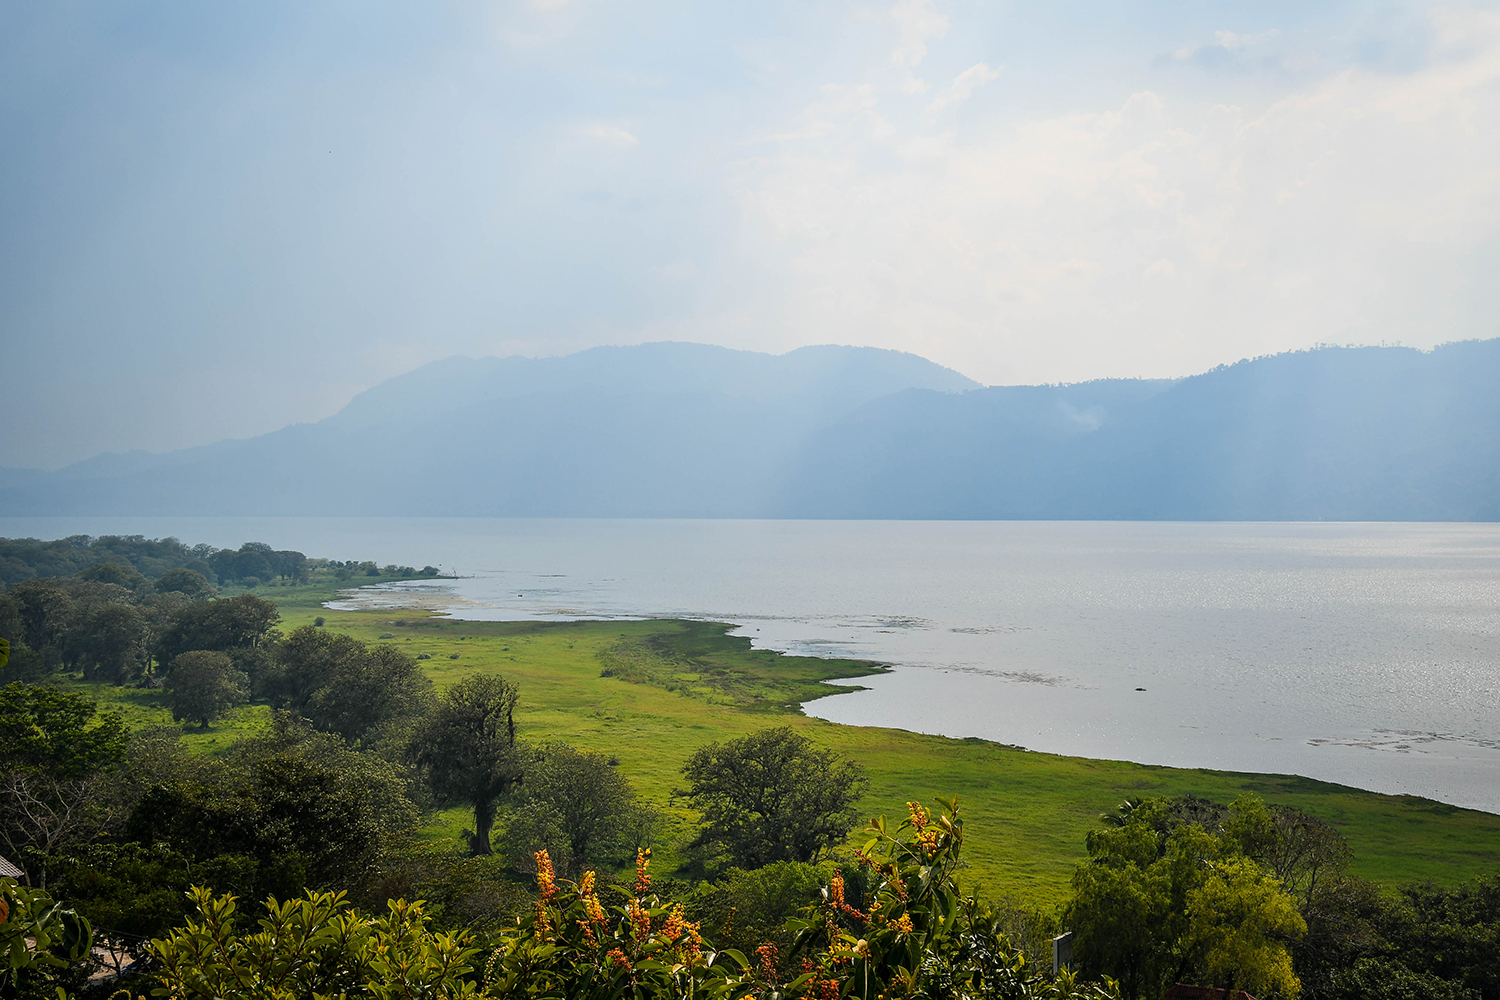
(1162,898)
(43,609)
(113,572)
(44,730)
(202,685)
(280,824)
(290,564)
(576,806)
(185,581)
(467,749)
(772,796)
(227,624)
(344,686)
(1240,922)
(111,642)
(54,758)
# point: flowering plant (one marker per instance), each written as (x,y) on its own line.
(920,937)
(574,945)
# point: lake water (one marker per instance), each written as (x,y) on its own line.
(1367,654)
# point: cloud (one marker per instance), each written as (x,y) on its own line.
(1157,238)
(1224,45)
(1230,40)
(918,24)
(604,132)
(964,85)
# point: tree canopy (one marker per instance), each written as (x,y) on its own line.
(1162,898)
(577,806)
(202,685)
(344,686)
(772,796)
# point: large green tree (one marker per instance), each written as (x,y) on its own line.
(284,822)
(185,581)
(227,624)
(1163,899)
(578,806)
(47,731)
(111,643)
(467,749)
(344,686)
(202,685)
(772,796)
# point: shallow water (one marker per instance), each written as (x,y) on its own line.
(1367,654)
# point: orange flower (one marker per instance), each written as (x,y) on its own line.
(618,957)
(836,897)
(903,924)
(767,953)
(640,923)
(543,922)
(546,877)
(592,907)
(676,921)
(642,877)
(919,816)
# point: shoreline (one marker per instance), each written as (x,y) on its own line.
(442,608)
(1028,811)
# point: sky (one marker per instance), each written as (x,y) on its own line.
(220,219)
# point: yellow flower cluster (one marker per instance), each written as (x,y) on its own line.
(642,876)
(903,924)
(546,876)
(594,909)
(682,933)
(919,817)
(640,922)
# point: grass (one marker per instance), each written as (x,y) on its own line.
(652,692)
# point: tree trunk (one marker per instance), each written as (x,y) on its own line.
(484,821)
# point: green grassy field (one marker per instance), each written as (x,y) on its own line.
(677,685)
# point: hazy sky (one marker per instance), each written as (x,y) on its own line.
(220,218)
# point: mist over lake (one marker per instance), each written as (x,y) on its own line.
(1367,654)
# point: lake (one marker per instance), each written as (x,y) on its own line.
(1367,654)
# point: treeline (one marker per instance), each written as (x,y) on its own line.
(137,559)
(117,624)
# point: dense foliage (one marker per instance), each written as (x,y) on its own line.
(772,796)
(920,938)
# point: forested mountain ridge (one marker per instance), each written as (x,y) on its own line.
(684,430)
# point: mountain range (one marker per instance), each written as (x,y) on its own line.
(689,430)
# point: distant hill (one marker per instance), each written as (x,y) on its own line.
(686,430)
